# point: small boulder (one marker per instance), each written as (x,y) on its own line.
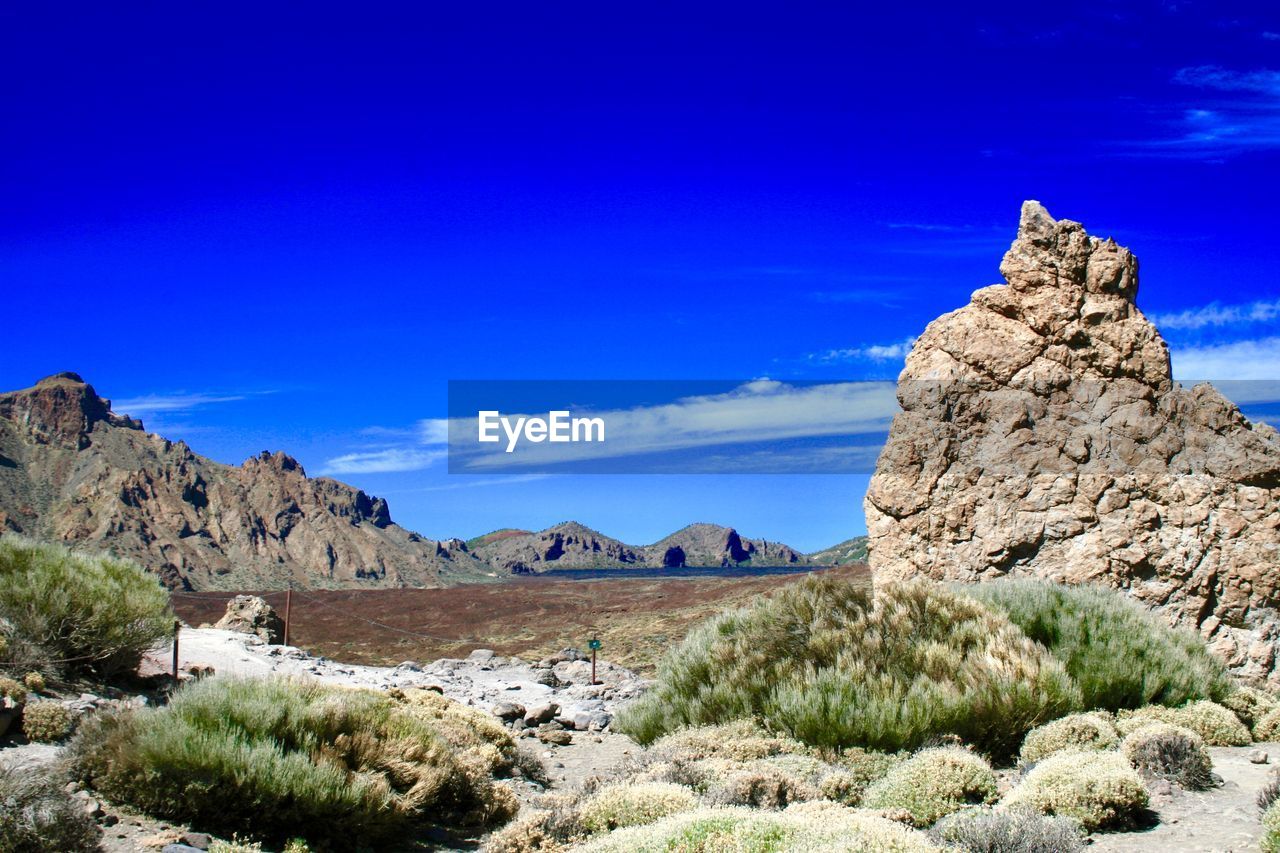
(544,713)
(508,710)
(559,737)
(250,614)
(481,656)
(1259,756)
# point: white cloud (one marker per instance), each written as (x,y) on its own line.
(148,404)
(1244,116)
(384,461)
(867,352)
(1216,314)
(1251,360)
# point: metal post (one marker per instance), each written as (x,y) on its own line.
(288,606)
(177,627)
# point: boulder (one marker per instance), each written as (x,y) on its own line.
(250,614)
(1042,433)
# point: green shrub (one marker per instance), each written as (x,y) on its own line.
(46,721)
(737,740)
(38,816)
(94,615)
(1119,654)
(34,682)
(1215,724)
(835,667)
(806,826)
(1075,731)
(984,830)
(12,689)
(1267,728)
(625,805)
(1099,789)
(1170,752)
(280,758)
(1271,830)
(854,772)
(934,783)
(1250,704)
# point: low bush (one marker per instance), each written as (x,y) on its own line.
(92,615)
(934,783)
(1075,731)
(37,815)
(763,786)
(1267,728)
(1099,789)
(47,721)
(1217,725)
(1162,751)
(277,758)
(1017,830)
(1250,704)
(853,773)
(807,826)
(12,689)
(738,740)
(1120,655)
(1271,830)
(34,682)
(624,805)
(834,667)
(1269,793)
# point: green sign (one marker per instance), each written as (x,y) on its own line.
(593,644)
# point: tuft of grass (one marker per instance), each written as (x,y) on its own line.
(72,612)
(1099,789)
(934,783)
(834,667)
(1163,751)
(37,815)
(1217,725)
(1074,731)
(984,830)
(278,758)
(1119,654)
(47,721)
(1271,830)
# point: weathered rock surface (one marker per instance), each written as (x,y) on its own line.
(72,471)
(250,614)
(570,545)
(1042,434)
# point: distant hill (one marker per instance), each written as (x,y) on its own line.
(846,553)
(570,545)
(73,471)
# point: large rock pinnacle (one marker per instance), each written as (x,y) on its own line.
(1042,434)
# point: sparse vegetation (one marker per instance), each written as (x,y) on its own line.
(46,721)
(1074,731)
(934,783)
(1119,654)
(1271,830)
(1099,789)
(835,667)
(73,612)
(38,816)
(1217,725)
(1164,751)
(1017,830)
(292,758)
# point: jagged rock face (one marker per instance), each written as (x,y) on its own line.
(713,545)
(250,614)
(1042,434)
(72,471)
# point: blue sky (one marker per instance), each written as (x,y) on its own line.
(271,229)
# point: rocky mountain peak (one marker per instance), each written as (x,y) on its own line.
(62,409)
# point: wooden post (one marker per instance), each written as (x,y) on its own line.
(288,606)
(593,666)
(177,627)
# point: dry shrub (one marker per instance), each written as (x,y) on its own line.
(34,682)
(1075,731)
(38,816)
(1250,704)
(1099,789)
(1271,830)
(985,830)
(1162,751)
(762,786)
(12,689)
(634,804)
(934,783)
(47,721)
(1217,725)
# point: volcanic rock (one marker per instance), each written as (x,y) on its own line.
(1042,434)
(250,614)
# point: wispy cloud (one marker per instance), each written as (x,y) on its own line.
(866,352)
(386,461)
(149,404)
(1250,359)
(1216,314)
(1245,115)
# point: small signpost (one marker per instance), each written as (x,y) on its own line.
(594,645)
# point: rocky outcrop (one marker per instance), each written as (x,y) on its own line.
(72,471)
(571,545)
(1041,433)
(250,614)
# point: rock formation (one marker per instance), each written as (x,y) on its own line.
(72,471)
(1042,433)
(250,614)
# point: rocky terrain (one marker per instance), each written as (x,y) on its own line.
(846,553)
(571,545)
(72,471)
(1042,433)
